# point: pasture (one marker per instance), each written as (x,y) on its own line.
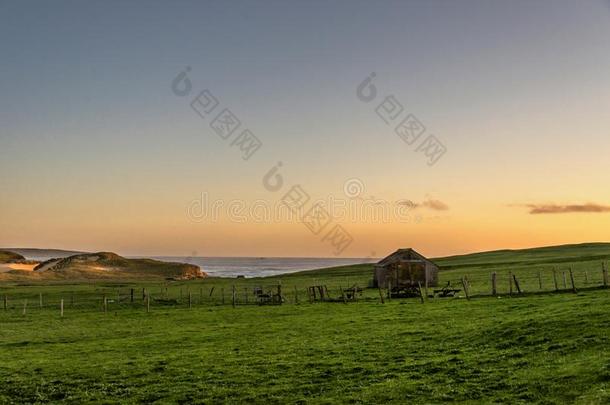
(536,347)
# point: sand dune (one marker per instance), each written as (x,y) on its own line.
(17,266)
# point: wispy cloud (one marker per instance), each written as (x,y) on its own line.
(434,205)
(566,209)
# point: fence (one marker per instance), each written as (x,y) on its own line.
(528,282)
(107,298)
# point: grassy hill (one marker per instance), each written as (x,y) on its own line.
(105,265)
(531,266)
(42,254)
(477,267)
(10,257)
(551,255)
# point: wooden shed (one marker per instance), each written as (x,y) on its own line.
(405,268)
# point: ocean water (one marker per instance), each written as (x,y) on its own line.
(227,266)
(261,266)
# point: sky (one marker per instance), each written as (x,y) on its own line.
(101,148)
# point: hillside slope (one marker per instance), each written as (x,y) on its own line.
(526,263)
(550,255)
(105,265)
(10,257)
(42,254)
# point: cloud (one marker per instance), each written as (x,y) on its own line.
(406,203)
(434,205)
(566,209)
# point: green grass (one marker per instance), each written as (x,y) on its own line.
(536,348)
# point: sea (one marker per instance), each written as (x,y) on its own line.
(261,266)
(225,266)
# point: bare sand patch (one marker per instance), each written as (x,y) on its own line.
(16,266)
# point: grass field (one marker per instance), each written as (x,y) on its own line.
(534,348)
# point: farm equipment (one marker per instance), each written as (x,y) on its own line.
(320,293)
(446,291)
(404,291)
(268,297)
(352,293)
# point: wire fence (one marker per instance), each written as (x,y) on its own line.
(529,282)
(107,298)
(117,298)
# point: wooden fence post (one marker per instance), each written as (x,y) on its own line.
(147,303)
(465,288)
(40,300)
(586,277)
(510,283)
(565,280)
(143,294)
(279,292)
(555,280)
(421,295)
(296,295)
(539,281)
(381,295)
(427,279)
(5,302)
(233,296)
(61,307)
(131,296)
(190,301)
(222,292)
(105,304)
(517,283)
(25,305)
(572,280)
(494,285)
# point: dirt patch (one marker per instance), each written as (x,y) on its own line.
(16,266)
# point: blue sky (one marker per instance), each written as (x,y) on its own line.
(517,91)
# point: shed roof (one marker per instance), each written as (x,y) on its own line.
(401,254)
